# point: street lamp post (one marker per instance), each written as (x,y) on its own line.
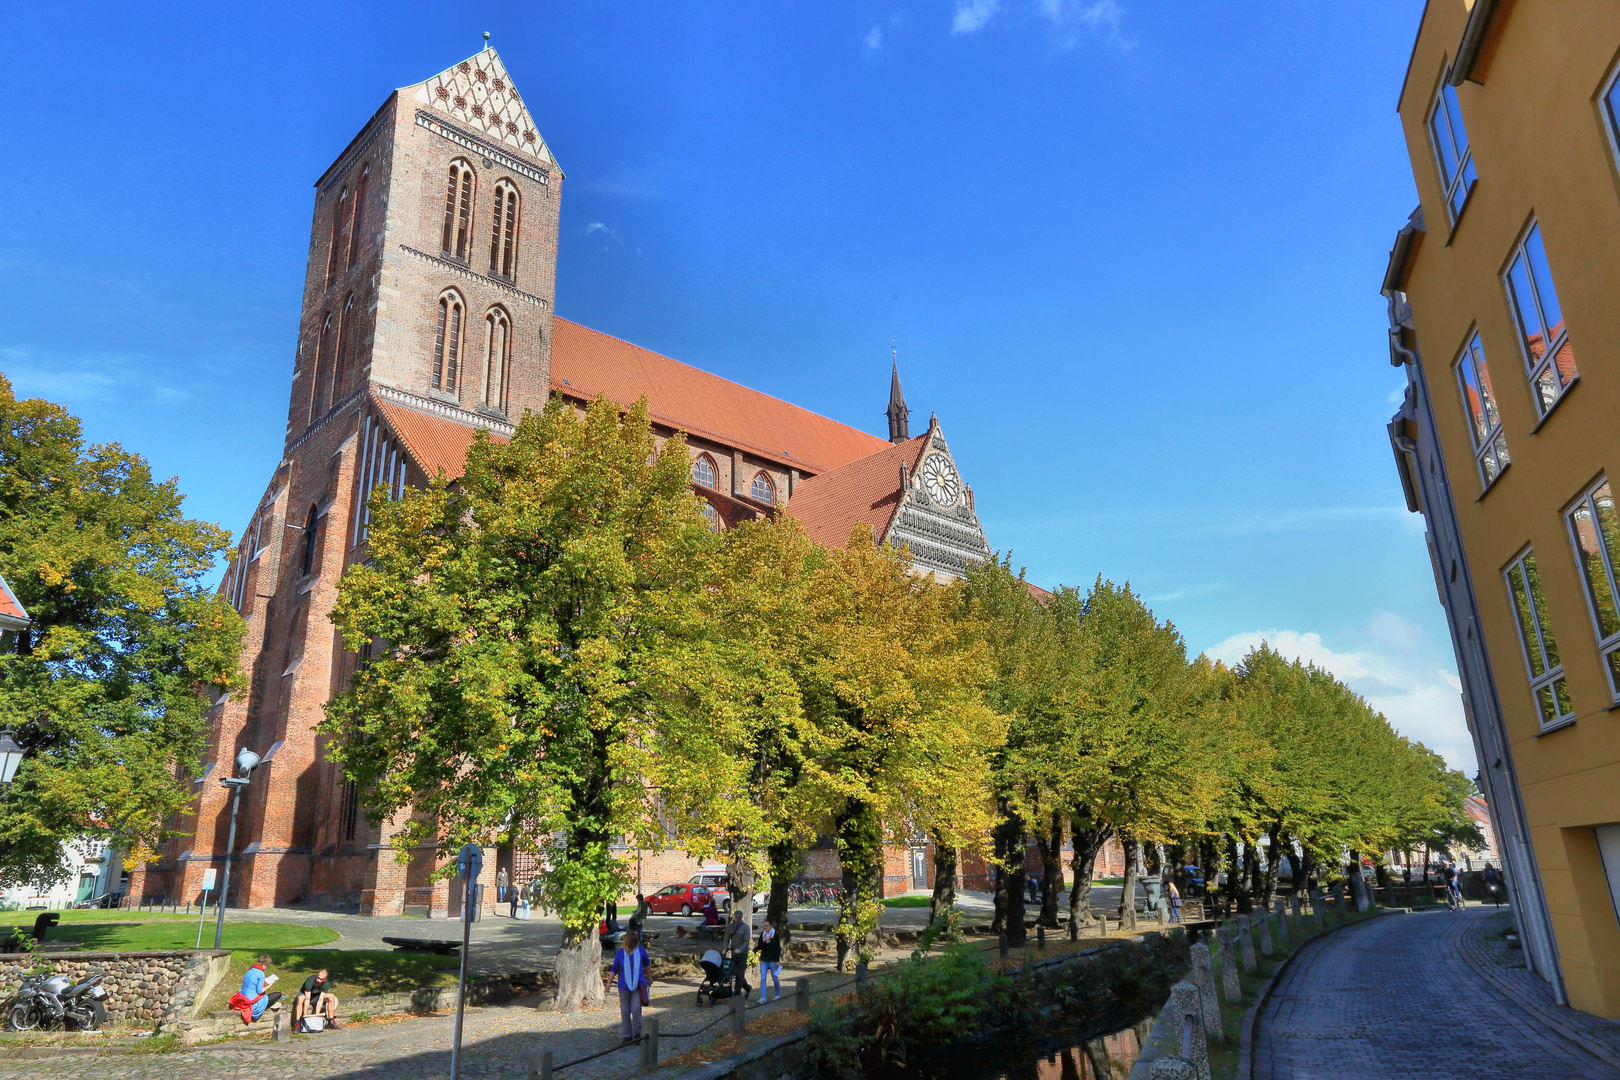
(11,756)
(246,761)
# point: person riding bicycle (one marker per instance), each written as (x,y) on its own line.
(1448,874)
(1493,883)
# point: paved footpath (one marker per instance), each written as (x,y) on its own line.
(1434,993)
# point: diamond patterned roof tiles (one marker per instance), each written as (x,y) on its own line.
(478,94)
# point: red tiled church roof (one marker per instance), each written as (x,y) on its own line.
(433,442)
(866,491)
(586,363)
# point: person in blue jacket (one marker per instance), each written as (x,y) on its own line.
(253,989)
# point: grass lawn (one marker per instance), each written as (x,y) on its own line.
(357,973)
(98,933)
(907,901)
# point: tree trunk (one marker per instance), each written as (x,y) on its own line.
(740,880)
(860,854)
(944,898)
(1268,887)
(1307,867)
(1009,846)
(1086,843)
(1236,874)
(784,863)
(579,971)
(1209,861)
(1051,848)
(1127,898)
(1153,858)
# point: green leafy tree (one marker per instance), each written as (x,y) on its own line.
(522,615)
(102,687)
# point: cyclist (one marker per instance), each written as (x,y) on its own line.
(1448,874)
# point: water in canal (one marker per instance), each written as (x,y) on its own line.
(1106,1057)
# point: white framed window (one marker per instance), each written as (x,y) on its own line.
(1541,660)
(1449,139)
(1610,103)
(762,489)
(1548,357)
(704,473)
(1479,402)
(1594,530)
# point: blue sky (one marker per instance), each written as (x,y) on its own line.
(1130,252)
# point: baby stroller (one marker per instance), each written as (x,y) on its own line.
(714,988)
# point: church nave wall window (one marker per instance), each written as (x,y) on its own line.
(705,474)
(762,488)
(458,203)
(382,464)
(334,251)
(357,214)
(503,237)
(497,358)
(312,531)
(712,516)
(447,343)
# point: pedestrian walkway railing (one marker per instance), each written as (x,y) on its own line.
(543,1066)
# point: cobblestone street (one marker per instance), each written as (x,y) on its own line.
(1435,994)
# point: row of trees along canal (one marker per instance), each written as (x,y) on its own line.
(574,656)
(560,653)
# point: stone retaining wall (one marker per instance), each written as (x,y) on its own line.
(144,987)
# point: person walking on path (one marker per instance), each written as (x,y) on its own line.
(737,941)
(525,899)
(1175,899)
(630,973)
(770,961)
(512,896)
(500,887)
(610,916)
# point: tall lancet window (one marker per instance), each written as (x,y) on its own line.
(497,357)
(458,201)
(340,358)
(358,213)
(334,254)
(503,237)
(447,343)
(324,344)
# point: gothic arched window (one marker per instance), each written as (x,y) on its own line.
(324,344)
(334,254)
(312,528)
(341,356)
(711,516)
(497,357)
(704,472)
(358,213)
(458,201)
(447,343)
(503,238)
(762,488)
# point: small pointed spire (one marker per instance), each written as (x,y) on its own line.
(899,424)
(486,39)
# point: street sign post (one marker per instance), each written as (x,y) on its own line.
(468,864)
(207,887)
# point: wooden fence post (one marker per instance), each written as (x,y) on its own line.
(539,1065)
(801,995)
(649,1046)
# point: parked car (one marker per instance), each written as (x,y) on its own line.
(683,899)
(714,879)
(105,900)
(1195,880)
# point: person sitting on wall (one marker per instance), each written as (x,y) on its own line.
(316,999)
(711,911)
(255,997)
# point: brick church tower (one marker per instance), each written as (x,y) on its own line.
(427,314)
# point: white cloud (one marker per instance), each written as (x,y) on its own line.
(1395,673)
(1070,17)
(873,39)
(1185,592)
(972,15)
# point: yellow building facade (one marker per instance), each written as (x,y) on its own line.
(1505,305)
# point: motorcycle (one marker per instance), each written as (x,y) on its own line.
(49,1002)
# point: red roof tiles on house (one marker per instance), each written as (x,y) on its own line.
(433,442)
(866,491)
(586,363)
(12,615)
